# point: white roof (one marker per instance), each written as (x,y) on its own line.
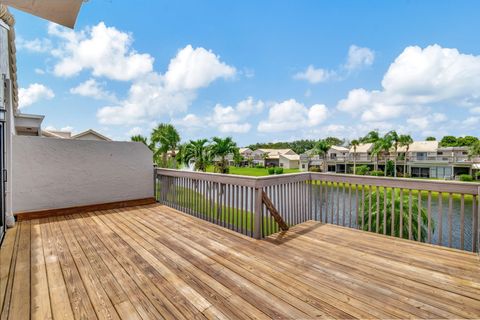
(242,150)
(290,156)
(340,148)
(421,146)
(362,148)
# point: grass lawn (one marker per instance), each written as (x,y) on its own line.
(256,172)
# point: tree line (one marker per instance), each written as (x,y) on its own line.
(168,152)
(164,141)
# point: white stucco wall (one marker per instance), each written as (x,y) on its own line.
(57,173)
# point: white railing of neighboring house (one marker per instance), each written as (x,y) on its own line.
(437,212)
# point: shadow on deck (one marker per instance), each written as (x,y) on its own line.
(154,262)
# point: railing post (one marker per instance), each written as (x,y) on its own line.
(257,216)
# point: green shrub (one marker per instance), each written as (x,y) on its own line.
(278,170)
(377,173)
(259,166)
(465,177)
(477,175)
(315,169)
(361,170)
(271,170)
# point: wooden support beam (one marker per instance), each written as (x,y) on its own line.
(273,211)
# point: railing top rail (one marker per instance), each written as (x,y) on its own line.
(249,181)
(260,182)
(404,183)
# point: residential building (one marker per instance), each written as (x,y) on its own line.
(424,159)
(285,158)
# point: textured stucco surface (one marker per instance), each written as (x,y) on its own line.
(55,173)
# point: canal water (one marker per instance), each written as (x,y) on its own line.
(343,203)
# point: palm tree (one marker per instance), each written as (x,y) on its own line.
(221,148)
(167,139)
(394,137)
(139,138)
(321,148)
(405,140)
(372,137)
(354,144)
(199,152)
(144,140)
(378,214)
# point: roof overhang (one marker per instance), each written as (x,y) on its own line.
(63,12)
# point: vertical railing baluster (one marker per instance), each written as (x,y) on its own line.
(363,206)
(475,217)
(419,216)
(356,206)
(429,213)
(327,200)
(450,217)
(385,211)
(350,205)
(392,223)
(338,203)
(377,215)
(369,208)
(401,213)
(343,206)
(410,214)
(440,218)
(462,220)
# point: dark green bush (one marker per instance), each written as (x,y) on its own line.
(278,170)
(271,170)
(377,173)
(259,166)
(315,169)
(465,177)
(361,170)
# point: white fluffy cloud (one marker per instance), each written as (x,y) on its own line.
(424,122)
(94,89)
(154,94)
(313,75)
(418,78)
(196,68)
(232,119)
(63,129)
(33,93)
(35,45)
(106,51)
(359,57)
(291,115)
(226,119)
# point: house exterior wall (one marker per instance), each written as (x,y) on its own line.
(59,173)
(9,127)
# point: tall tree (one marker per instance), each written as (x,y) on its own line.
(198,151)
(321,148)
(221,148)
(382,146)
(405,140)
(394,137)
(372,137)
(334,141)
(430,139)
(166,138)
(354,144)
(448,141)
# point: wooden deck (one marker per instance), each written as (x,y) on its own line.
(153,262)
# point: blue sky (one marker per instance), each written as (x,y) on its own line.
(256,70)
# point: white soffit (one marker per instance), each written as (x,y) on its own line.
(63,12)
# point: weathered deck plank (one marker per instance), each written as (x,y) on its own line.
(153,262)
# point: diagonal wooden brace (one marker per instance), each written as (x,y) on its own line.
(273,211)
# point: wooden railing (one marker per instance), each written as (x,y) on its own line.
(437,212)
